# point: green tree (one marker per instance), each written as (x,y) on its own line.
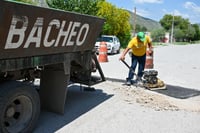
(178,21)
(197,31)
(117,21)
(166,22)
(158,35)
(178,33)
(81,6)
(190,33)
(183,30)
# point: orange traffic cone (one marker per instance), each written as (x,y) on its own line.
(149,60)
(103,57)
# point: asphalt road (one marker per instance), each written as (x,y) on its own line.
(115,108)
(176,65)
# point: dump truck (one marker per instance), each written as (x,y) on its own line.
(52,45)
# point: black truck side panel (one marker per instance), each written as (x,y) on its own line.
(27,31)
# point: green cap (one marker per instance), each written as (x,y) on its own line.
(141,36)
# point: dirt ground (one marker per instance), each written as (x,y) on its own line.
(117,108)
(157,101)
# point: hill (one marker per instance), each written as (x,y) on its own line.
(146,22)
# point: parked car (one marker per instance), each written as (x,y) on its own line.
(113,44)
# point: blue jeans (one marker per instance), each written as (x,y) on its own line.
(141,62)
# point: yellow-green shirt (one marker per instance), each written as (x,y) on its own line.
(139,48)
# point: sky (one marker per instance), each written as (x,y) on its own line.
(156,9)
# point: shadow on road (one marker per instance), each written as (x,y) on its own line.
(179,92)
(78,103)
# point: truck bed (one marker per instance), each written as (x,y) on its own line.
(32,36)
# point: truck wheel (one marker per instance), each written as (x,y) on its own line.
(19,107)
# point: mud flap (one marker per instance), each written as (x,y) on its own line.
(53,90)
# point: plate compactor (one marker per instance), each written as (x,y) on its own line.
(149,80)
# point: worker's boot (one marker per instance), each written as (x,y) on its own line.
(128,82)
(139,81)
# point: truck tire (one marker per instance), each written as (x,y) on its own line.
(19,107)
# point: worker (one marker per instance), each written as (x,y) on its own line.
(138,45)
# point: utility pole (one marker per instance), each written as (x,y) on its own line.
(172,31)
(134,25)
